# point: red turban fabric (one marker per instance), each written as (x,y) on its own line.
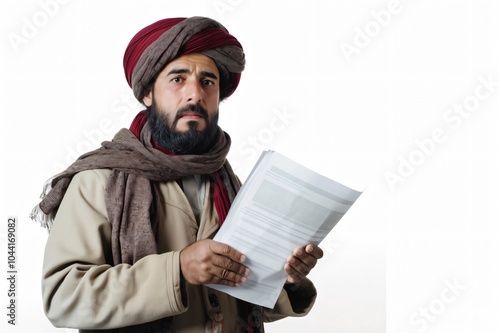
(152,48)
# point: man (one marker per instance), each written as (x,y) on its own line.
(130,247)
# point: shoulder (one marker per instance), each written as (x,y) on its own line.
(83,206)
(97,175)
(88,186)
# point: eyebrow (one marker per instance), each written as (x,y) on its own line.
(209,74)
(186,71)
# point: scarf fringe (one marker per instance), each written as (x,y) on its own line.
(45,220)
(37,215)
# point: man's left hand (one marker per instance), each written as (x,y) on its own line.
(301,262)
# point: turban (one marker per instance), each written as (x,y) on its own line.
(152,48)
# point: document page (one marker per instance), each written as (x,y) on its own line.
(280,207)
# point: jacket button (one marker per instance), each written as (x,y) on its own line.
(214,300)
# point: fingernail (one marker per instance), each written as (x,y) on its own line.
(243,258)
(247,272)
(243,280)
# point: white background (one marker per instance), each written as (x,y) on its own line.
(418,254)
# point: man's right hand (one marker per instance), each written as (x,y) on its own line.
(209,261)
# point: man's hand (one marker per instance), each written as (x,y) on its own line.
(208,261)
(301,262)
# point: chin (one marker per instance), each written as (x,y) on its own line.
(191,125)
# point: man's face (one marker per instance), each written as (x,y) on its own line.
(192,79)
(184,104)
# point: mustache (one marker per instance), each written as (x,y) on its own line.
(192,108)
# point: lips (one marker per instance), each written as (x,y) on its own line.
(191,115)
(192,112)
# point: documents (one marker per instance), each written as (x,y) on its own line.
(281,206)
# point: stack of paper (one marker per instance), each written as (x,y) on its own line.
(281,206)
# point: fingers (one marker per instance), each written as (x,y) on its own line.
(309,255)
(224,274)
(301,262)
(293,275)
(229,272)
(208,261)
(230,265)
(228,261)
(297,268)
(314,250)
(227,251)
(229,278)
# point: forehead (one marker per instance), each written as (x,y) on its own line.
(193,61)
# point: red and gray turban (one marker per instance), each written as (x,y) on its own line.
(152,48)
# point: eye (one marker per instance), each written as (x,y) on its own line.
(207,82)
(177,79)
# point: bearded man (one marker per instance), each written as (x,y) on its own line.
(131,224)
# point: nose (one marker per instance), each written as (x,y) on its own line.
(193,92)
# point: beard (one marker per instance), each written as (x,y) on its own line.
(192,141)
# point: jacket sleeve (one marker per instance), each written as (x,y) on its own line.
(294,301)
(81,289)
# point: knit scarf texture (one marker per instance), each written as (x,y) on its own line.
(132,201)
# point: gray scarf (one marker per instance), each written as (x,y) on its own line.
(130,198)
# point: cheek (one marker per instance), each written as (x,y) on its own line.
(168,104)
(168,93)
(213,104)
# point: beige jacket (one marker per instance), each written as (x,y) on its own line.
(82,290)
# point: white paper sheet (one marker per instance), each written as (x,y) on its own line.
(281,206)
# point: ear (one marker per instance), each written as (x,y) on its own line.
(148,99)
